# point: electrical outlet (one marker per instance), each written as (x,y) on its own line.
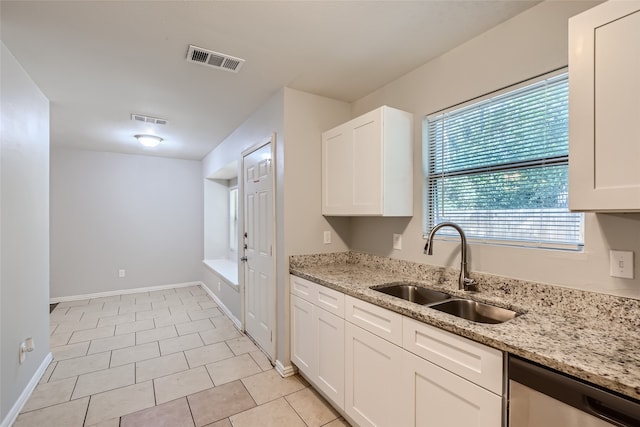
(397,241)
(327,237)
(621,264)
(219,286)
(122,273)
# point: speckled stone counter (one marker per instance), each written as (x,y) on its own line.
(591,336)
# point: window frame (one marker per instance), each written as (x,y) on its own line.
(233,219)
(445,233)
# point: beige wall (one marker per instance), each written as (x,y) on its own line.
(306,116)
(112,211)
(266,120)
(297,119)
(24,231)
(528,45)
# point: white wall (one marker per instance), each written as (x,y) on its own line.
(216,219)
(118,211)
(529,44)
(24,228)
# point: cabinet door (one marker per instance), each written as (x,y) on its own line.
(374,395)
(329,333)
(302,339)
(367,163)
(439,398)
(604,101)
(337,171)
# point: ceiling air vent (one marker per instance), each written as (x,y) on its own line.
(214,59)
(148,119)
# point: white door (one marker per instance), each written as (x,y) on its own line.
(259,282)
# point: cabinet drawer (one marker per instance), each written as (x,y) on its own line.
(476,362)
(318,295)
(304,288)
(330,300)
(377,320)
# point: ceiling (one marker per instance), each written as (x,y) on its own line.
(100,61)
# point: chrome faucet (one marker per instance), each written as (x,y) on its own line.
(464,283)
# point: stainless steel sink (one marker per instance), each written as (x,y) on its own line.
(475,311)
(411,292)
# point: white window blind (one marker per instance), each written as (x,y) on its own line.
(498,167)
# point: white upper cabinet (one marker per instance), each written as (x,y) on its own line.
(367,165)
(604,108)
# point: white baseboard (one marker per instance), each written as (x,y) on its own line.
(222,307)
(285,371)
(26,393)
(123,292)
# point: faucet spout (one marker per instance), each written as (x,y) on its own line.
(464,282)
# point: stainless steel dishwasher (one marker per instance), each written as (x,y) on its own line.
(541,397)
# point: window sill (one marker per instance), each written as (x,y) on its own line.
(226,268)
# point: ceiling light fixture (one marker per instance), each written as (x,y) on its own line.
(149,140)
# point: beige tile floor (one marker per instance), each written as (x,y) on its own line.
(163,358)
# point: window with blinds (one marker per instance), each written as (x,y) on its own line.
(498,167)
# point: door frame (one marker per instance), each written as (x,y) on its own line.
(270,140)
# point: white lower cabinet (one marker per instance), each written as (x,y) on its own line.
(375,395)
(384,369)
(440,398)
(317,337)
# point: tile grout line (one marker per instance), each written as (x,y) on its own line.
(86,412)
(189,364)
(294,409)
(73,390)
(209,374)
(190,410)
(135,373)
(155,398)
(248,392)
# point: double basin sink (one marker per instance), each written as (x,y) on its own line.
(464,308)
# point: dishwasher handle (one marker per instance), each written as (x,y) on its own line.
(616,409)
(616,412)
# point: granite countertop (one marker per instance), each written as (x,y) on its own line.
(591,336)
